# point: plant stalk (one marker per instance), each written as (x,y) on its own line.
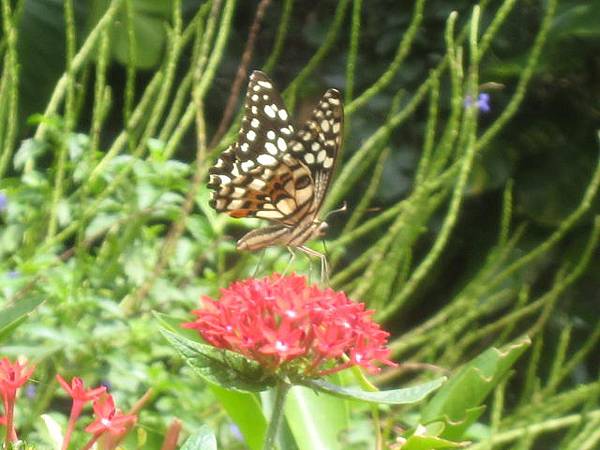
(281,391)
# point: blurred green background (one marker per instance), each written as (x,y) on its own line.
(548,151)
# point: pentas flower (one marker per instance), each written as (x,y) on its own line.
(80,397)
(78,392)
(108,419)
(12,377)
(292,328)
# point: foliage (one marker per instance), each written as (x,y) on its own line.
(462,233)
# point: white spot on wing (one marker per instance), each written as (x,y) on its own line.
(257,184)
(235,204)
(269,214)
(321,156)
(238,192)
(309,158)
(269,111)
(266,160)
(270,147)
(265,84)
(251,135)
(328,163)
(271,134)
(325,126)
(281,145)
(224,179)
(247,165)
(283,114)
(255,123)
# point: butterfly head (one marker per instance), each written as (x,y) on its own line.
(319,229)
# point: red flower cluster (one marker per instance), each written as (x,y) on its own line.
(108,418)
(12,377)
(286,325)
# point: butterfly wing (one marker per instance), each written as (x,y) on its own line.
(271,172)
(257,176)
(318,143)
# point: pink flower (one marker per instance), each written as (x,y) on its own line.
(80,397)
(77,391)
(108,418)
(290,327)
(12,377)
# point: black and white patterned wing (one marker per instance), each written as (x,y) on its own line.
(256,176)
(318,143)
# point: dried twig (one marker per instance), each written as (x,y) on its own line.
(241,73)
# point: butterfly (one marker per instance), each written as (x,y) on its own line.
(276,172)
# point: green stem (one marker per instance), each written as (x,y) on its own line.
(535,429)
(78,60)
(281,391)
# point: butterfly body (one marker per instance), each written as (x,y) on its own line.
(276,173)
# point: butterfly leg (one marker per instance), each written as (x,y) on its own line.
(324,265)
(291,260)
(260,260)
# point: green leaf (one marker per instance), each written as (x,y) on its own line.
(13,316)
(416,442)
(403,396)
(54,430)
(30,149)
(243,408)
(459,401)
(204,439)
(173,323)
(316,421)
(221,367)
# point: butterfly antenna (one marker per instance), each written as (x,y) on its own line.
(343,208)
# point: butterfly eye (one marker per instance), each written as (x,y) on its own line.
(322,229)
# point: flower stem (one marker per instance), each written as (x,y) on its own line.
(9,405)
(92,440)
(75,412)
(281,390)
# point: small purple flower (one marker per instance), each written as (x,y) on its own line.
(30,390)
(235,431)
(482,103)
(3,201)
(13,274)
